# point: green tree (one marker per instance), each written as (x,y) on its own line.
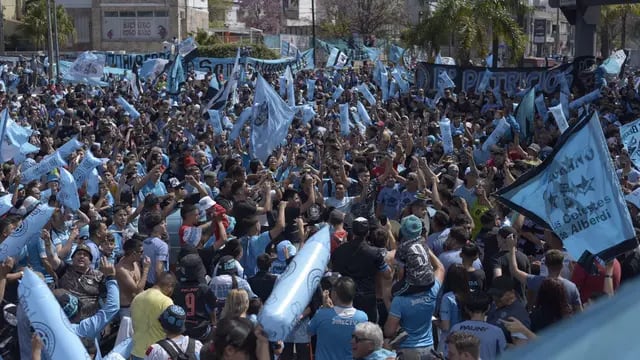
(202,38)
(470,23)
(35,26)
(218,11)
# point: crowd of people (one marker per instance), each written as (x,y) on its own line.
(425,263)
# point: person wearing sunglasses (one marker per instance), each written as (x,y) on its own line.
(367,341)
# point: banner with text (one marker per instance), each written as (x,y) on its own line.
(508,79)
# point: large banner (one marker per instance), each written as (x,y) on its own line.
(509,79)
(225,65)
(126,61)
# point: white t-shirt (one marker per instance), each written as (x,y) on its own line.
(156,352)
(343,205)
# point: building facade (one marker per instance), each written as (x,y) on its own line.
(550,34)
(134,26)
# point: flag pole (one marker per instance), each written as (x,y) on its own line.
(313,29)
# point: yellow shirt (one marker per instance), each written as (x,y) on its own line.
(146,308)
(477,210)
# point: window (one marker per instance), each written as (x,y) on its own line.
(127,14)
(111,14)
(162,14)
(145,13)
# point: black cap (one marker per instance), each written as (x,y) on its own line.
(85,248)
(360,226)
(191,268)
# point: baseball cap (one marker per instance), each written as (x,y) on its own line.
(227,265)
(534,147)
(85,248)
(290,250)
(173,319)
(360,226)
(411,227)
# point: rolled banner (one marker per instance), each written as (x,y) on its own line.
(344,119)
(337,93)
(44,166)
(294,288)
(48,320)
(541,107)
(558,114)
(587,99)
(5,204)
(496,135)
(133,113)
(311,89)
(364,115)
(69,147)
(93,182)
(28,163)
(214,120)
(447,138)
(282,86)
(30,227)
(307,113)
(242,119)
(121,351)
(364,90)
(45,195)
(68,194)
(84,169)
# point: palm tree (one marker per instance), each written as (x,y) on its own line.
(472,23)
(35,25)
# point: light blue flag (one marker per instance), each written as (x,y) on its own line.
(5,204)
(176,76)
(525,113)
(495,136)
(214,120)
(364,115)
(311,89)
(271,121)
(586,99)
(226,123)
(337,93)
(438,59)
(93,182)
(88,163)
(384,84)
(242,119)
(489,60)
(393,88)
(372,52)
(377,73)
(219,100)
(308,113)
(364,90)
(613,64)
(337,59)
(186,46)
(68,194)
(152,68)
(128,108)
(541,107)
(444,82)
(630,135)
(24,150)
(344,119)
(576,192)
(395,54)
(484,82)
(307,59)
(564,93)
(497,93)
(291,95)
(447,137)
(282,86)
(403,84)
(214,83)
(558,114)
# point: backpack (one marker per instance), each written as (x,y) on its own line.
(175,352)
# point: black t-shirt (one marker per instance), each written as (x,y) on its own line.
(631,265)
(477,279)
(262,284)
(361,262)
(198,301)
(501,260)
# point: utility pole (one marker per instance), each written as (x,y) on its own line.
(558,31)
(56,47)
(49,42)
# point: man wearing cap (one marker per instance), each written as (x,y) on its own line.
(194,295)
(414,269)
(173,321)
(79,278)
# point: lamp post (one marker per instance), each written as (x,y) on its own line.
(49,41)
(56,46)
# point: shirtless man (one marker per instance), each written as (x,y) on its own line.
(131,278)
